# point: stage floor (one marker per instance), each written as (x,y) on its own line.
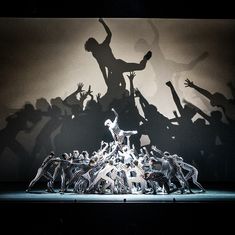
(55,213)
(42,196)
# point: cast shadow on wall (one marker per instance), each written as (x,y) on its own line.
(77,122)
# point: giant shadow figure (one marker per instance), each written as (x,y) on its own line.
(23,120)
(164,68)
(103,54)
(43,142)
(156,125)
(224,151)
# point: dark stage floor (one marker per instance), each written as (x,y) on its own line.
(44,213)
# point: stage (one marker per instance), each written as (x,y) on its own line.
(43,196)
(55,213)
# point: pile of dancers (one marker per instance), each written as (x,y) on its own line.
(118,168)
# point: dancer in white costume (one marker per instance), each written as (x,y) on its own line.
(117,134)
(192,172)
(102,174)
(139,178)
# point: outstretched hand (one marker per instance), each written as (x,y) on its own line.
(98,96)
(169,83)
(83,95)
(188,83)
(89,91)
(153,147)
(80,86)
(131,76)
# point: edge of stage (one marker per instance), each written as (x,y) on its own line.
(43,213)
(42,196)
(15,192)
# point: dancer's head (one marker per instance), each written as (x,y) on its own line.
(92,162)
(108,122)
(91,44)
(52,154)
(218,99)
(177,157)
(166,154)
(75,153)
(65,156)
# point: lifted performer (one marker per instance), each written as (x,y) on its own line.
(118,134)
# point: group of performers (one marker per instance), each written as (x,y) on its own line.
(118,168)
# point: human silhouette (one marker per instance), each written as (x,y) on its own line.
(156,125)
(216,99)
(23,120)
(164,69)
(218,130)
(103,54)
(116,86)
(113,77)
(43,142)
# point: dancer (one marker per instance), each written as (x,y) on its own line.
(139,178)
(192,172)
(118,134)
(43,171)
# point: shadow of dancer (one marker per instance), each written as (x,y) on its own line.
(103,54)
(23,120)
(43,142)
(164,68)
(216,99)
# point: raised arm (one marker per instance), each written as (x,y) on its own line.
(132,90)
(116,116)
(146,152)
(103,149)
(155,149)
(143,102)
(204,92)
(89,93)
(175,98)
(109,34)
(155,157)
(109,155)
(73,97)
